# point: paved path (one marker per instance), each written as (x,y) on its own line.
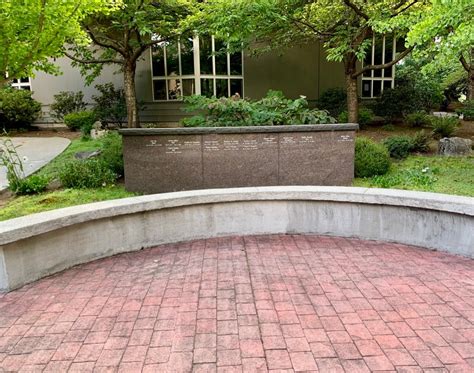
(38,151)
(282,303)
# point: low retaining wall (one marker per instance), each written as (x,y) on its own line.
(162,160)
(34,246)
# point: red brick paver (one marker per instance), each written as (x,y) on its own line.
(253,304)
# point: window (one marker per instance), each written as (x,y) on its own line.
(23,83)
(195,66)
(384,49)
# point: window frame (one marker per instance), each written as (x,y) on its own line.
(371,79)
(18,84)
(197,76)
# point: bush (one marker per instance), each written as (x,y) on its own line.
(421,142)
(333,100)
(91,173)
(66,103)
(366,116)
(370,158)
(112,154)
(31,185)
(17,108)
(408,98)
(110,106)
(467,110)
(399,147)
(418,119)
(444,126)
(273,109)
(83,120)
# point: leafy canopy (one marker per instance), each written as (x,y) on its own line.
(446,32)
(32,31)
(344,26)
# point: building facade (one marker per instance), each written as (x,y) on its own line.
(170,71)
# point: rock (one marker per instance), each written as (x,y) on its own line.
(87,155)
(97,134)
(454,146)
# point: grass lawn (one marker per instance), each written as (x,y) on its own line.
(450,175)
(13,207)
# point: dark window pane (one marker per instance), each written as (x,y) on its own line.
(400,45)
(368,61)
(378,54)
(222,88)
(366,88)
(188,87)
(236,63)
(26,88)
(172,62)
(187,57)
(25,80)
(221,57)
(388,72)
(236,86)
(207,87)
(205,52)
(377,88)
(388,54)
(174,89)
(387,84)
(158,61)
(159,89)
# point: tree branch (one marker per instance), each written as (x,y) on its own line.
(103,44)
(358,11)
(93,61)
(404,9)
(464,63)
(385,65)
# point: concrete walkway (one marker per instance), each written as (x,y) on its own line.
(292,303)
(38,153)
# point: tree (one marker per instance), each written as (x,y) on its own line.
(345,27)
(121,37)
(32,31)
(446,33)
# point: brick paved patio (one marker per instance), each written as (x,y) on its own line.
(286,303)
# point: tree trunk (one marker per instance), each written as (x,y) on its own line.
(131,95)
(470,82)
(351,89)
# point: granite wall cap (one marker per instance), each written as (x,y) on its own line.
(243,129)
(35,224)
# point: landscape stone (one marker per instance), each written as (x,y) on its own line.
(453,146)
(87,154)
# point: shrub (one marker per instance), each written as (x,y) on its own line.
(32,185)
(399,147)
(444,126)
(110,107)
(273,109)
(418,119)
(408,98)
(66,103)
(333,100)
(370,158)
(91,173)
(467,110)
(366,116)
(421,142)
(17,108)
(83,120)
(112,154)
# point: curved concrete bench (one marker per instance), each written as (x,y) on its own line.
(37,245)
